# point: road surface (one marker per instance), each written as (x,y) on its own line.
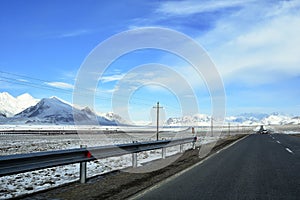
(258,167)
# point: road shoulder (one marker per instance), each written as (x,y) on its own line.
(122,185)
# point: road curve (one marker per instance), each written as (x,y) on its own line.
(258,167)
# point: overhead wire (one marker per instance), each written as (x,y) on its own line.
(82,91)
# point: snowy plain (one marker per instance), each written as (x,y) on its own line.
(29,182)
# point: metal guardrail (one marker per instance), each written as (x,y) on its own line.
(13,164)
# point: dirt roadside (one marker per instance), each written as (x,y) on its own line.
(122,185)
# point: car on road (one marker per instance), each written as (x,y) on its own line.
(262,130)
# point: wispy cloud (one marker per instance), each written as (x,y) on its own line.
(193,7)
(258,44)
(112,78)
(260,36)
(174,14)
(69,75)
(61,85)
(23,80)
(74,33)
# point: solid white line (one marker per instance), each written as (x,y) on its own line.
(278,142)
(143,192)
(290,151)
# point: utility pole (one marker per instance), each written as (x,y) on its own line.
(157,118)
(228,128)
(212,126)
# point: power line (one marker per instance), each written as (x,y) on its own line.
(82,91)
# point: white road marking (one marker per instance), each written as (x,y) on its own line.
(142,193)
(278,142)
(290,151)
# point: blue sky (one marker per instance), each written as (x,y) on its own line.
(255,46)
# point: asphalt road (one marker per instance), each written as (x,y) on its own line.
(258,167)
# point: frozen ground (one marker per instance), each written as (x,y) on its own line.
(23,183)
(291,132)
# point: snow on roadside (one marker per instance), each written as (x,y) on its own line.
(29,182)
(291,132)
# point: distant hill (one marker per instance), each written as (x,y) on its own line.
(25,109)
(55,111)
(9,105)
(242,119)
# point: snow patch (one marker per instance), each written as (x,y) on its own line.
(29,182)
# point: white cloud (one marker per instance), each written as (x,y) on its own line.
(22,80)
(111,78)
(254,46)
(99,92)
(154,78)
(193,7)
(73,33)
(61,85)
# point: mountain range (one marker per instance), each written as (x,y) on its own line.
(49,111)
(246,119)
(25,109)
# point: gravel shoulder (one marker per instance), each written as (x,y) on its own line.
(120,184)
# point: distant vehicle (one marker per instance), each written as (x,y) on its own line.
(262,130)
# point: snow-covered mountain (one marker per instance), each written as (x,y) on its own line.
(266,119)
(114,117)
(2,115)
(55,111)
(24,109)
(242,119)
(279,119)
(195,120)
(247,118)
(9,105)
(48,110)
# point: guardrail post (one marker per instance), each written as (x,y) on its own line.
(82,171)
(14,164)
(194,144)
(163,151)
(134,160)
(181,148)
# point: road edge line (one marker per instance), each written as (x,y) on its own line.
(143,192)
